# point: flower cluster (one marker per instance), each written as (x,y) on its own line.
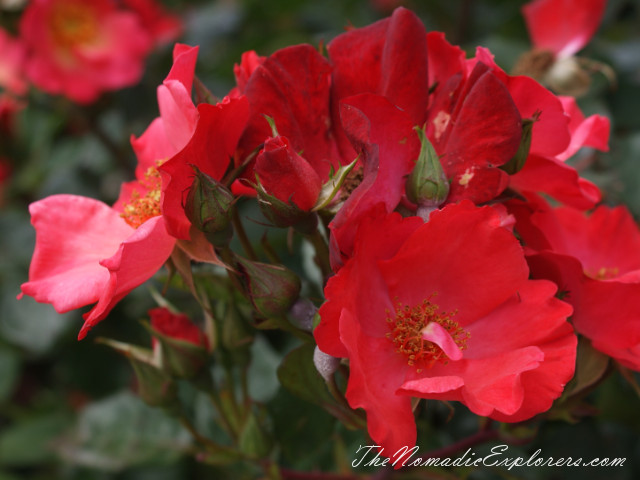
(448,275)
(82,48)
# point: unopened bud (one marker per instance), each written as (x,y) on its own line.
(325,364)
(427,185)
(287,185)
(303,312)
(272,289)
(208,208)
(184,347)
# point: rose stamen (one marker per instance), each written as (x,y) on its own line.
(73,24)
(141,208)
(424,335)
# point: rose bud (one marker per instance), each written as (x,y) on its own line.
(208,208)
(272,289)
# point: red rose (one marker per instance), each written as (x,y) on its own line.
(444,310)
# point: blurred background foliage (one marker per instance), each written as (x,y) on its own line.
(66,407)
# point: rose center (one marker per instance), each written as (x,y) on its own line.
(424,335)
(604,273)
(73,24)
(143,206)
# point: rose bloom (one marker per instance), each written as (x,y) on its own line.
(595,260)
(414,78)
(562,27)
(163,26)
(558,30)
(559,130)
(81,48)
(444,310)
(89,252)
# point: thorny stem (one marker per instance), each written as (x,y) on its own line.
(204,95)
(464,17)
(204,441)
(356,417)
(231,389)
(227,257)
(322,253)
(425,211)
(242,236)
(217,403)
(233,175)
(269,251)
(244,384)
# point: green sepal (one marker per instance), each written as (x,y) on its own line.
(209,206)
(333,186)
(284,214)
(179,358)
(427,185)
(155,387)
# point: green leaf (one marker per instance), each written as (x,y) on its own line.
(31,325)
(301,430)
(220,458)
(298,374)
(31,441)
(120,432)
(591,366)
(630,377)
(7,476)
(254,440)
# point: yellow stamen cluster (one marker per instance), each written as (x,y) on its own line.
(73,24)
(406,333)
(605,273)
(141,208)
